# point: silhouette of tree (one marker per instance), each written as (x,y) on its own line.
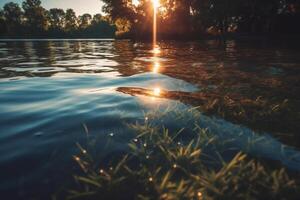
(97,18)
(220,17)
(176,18)
(57,18)
(84,21)
(99,27)
(13,17)
(70,20)
(37,20)
(2,23)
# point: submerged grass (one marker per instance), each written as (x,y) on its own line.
(257,112)
(161,165)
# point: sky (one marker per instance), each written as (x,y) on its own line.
(79,6)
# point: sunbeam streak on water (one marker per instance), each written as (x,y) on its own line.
(52,91)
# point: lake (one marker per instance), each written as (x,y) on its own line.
(55,94)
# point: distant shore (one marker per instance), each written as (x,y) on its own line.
(242,36)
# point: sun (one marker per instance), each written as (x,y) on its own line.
(135,2)
(156,3)
(156,91)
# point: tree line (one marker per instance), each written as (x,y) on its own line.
(176,18)
(200,17)
(32,20)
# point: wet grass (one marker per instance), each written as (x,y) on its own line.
(279,117)
(165,164)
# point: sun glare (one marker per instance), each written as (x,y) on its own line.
(135,2)
(156,67)
(156,49)
(156,91)
(156,3)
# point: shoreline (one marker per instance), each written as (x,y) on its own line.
(187,37)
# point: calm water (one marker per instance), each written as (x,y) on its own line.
(50,90)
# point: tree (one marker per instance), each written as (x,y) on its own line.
(130,18)
(97,18)
(70,21)
(2,23)
(13,17)
(36,16)
(84,21)
(183,17)
(100,27)
(36,21)
(57,18)
(172,13)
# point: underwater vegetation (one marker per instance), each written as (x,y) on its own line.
(190,163)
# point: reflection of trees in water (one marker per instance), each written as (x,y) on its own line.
(128,54)
(43,55)
(234,89)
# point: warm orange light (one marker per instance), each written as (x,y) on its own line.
(156,91)
(155,7)
(156,67)
(156,50)
(135,2)
(156,4)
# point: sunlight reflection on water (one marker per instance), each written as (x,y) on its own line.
(156,67)
(53,87)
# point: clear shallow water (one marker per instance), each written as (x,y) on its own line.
(50,88)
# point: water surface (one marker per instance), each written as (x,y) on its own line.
(51,91)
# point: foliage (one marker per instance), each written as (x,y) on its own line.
(191,17)
(71,20)
(160,165)
(35,15)
(12,15)
(35,21)
(176,18)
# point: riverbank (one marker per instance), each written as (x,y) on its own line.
(148,37)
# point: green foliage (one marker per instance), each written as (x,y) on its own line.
(160,166)
(187,17)
(36,21)
(84,21)
(71,20)
(36,15)
(57,17)
(12,14)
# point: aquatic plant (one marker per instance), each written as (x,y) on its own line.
(161,164)
(257,113)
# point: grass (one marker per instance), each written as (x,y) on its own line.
(161,164)
(255,112)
